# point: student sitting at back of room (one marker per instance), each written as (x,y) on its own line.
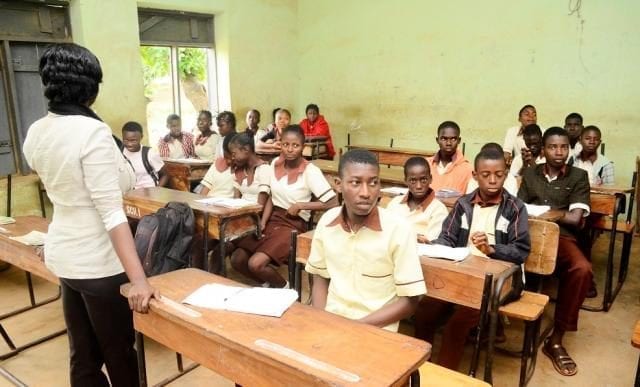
(513,140)
(218,182)
(294,183)
(449,168)
(420,206)
(510,182)
(253,125)
(177,144)
(599,168)
(573,126)
(206,142)
(271,142)
(315,125)
(145,161)
(226,122)
(363,258)
(531,155)
(493,224)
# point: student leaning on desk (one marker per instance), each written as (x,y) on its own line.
(364,258)
(89,245)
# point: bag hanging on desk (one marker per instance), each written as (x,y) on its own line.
(163,239)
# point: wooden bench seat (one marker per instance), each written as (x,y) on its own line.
(528,308)
(434,375)
(606,224)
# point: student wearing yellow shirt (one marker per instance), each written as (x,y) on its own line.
(363,258)
(419,205)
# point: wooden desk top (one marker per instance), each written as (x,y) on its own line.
(552,215)
(189,162)
(407,151)
(635,339)
(21,255)
(157,197)
(308,346)
(612,189)
(461,282)
(387,175)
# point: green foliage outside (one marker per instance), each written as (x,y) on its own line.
(192,63)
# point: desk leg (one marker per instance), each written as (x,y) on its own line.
(414,379)
(484,306)
(205,244)
(142,365)
(222,245)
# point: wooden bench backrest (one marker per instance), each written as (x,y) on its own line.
(303,246)
(544,247)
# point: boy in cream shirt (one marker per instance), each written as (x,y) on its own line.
(364,258)
(420,206)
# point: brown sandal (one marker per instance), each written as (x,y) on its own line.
(560,358)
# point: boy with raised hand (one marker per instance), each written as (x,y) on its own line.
(420,206)
(492,223)
(599,168)
(450,169)
(531,155)
(363,258)
(566,188)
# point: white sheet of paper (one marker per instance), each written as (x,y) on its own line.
(262,301)
(226,202)
(536,210)
(395,190)
(34,238)
(446,252)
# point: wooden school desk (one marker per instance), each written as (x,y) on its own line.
(304,347)
(388,177)
(268,156)
(393,156)
(25,257)
(215,222)
(182,172)
(315,147)
(635,341)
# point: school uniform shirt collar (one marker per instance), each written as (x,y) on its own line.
(436,157)
(221,164)
(424,203)
(292,174)
(372,221)
(562,173)
(477,199)
(241,173)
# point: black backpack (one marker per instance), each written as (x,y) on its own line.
(163,239)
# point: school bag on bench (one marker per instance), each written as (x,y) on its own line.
(163,239)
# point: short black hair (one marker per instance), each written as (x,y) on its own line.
(172,117)
(206,113)
(489,153)
(492,145)
(449,124)
(132,126)
(592,128)
(312,106)
(255,111)
(295,129)
(273,113)
(554,131)
(281,110)
(243,139)
(525,107)
(416,161)
(226,116)
(70,74)
(531,130)
(573,115)
(357,156)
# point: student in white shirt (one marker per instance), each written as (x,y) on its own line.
(146,162)
(218,182)
(513,140)
(206,140)
(89,245)
(531,154)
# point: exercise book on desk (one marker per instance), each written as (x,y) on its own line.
(262,301)
(397,191)
(536,210)
(445,252)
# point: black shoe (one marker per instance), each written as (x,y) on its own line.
(593,291)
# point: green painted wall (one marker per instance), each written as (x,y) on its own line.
(398,69)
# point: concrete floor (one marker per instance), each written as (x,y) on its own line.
(601,347)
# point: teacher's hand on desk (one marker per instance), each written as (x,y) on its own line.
(140,293)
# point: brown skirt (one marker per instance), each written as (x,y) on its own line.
(276,242)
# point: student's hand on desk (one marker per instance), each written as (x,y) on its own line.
(294,209)
(423,239)
(140,294)
(481,242)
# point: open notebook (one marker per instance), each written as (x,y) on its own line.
(263,301)
(444,252)
(536,210)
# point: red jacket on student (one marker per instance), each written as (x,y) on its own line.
(319,128)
